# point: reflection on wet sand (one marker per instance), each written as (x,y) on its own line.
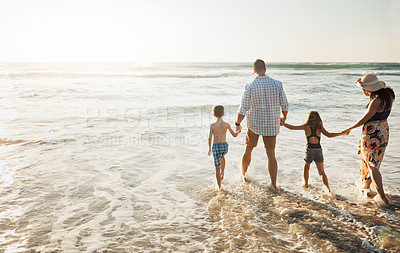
(250,213)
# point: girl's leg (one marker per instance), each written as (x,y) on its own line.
(218,175)
(306,173)
(321,172)
(222,167)
(377,179)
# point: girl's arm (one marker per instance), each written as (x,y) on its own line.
(209,142)
(371,110)
(234,134)
(330,135)
(291,127)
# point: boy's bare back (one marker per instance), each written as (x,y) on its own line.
(218,130)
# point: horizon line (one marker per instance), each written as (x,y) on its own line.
(147,62)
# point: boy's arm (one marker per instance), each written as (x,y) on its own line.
(209,142)
(291,127)
(234,134)
(331,135)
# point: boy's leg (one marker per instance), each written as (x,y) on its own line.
(218,175)
(321,172)
(222,168)
(306,173)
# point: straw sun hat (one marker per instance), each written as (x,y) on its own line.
(371,83)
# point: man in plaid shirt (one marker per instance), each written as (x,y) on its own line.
(262,102)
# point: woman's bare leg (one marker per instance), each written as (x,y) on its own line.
(367,184)
(377,179)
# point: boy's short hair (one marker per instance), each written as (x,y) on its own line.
(259,65)
(218,111)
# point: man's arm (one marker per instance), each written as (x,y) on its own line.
(284,104)
(244,107)
(284,116)
(239,119)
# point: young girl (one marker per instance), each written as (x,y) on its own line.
(313,129)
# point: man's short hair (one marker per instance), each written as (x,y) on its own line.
(259,65)
(218,111)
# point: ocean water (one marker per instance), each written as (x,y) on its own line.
(113,158)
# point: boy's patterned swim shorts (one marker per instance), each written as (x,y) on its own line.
(219,150)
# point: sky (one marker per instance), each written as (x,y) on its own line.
(200,30)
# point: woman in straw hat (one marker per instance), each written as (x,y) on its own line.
(375,133)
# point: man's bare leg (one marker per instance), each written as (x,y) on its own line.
(222,168)
(272,166)
(246,161)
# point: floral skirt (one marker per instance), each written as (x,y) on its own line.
(372,145)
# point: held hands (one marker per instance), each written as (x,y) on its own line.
(346,132)
(282,122)
(238,128)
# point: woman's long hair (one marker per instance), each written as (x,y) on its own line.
(313,120)
(386,96)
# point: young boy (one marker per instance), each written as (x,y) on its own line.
(220,146)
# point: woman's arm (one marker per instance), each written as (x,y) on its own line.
(291,127)
(371,110)
(330,135)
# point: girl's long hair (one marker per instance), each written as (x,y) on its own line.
(386,95)
(313,120)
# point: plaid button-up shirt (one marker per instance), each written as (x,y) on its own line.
(261,103)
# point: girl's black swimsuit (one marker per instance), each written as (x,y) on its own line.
(313,134)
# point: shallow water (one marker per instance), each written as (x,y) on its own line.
(113,158)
